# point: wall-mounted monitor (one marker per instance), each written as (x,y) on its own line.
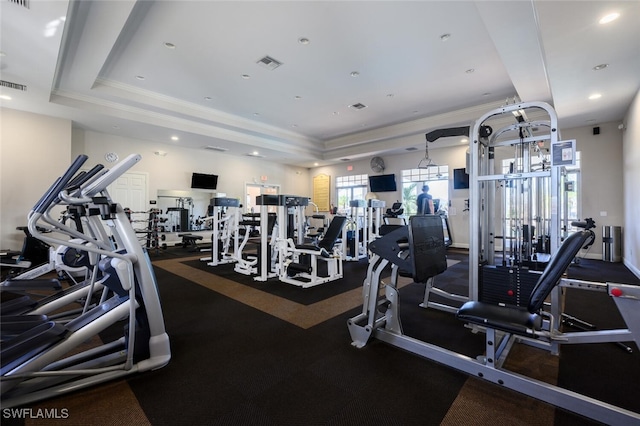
(204,181)
(460,179)
(382,183)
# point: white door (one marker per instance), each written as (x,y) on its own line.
(130,191)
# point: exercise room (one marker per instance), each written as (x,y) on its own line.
(319,212)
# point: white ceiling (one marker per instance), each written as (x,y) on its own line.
(82,60)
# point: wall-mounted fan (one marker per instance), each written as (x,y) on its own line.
(377,164)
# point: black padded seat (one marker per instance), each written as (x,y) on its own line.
(516,320)
(325,245)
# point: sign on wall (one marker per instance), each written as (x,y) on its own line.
(321,191)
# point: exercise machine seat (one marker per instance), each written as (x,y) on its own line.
(330,237)
(519,320)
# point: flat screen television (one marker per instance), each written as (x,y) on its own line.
(460,179)
(204,181)
(382,183)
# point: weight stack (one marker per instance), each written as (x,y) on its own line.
(502,285)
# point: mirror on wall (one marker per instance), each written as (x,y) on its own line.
(184,210)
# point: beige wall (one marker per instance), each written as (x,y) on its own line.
(631,177)
(34,151)
(173,171)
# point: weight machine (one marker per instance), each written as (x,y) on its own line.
(354,235)
(418,250)
(375,213)
(225,217)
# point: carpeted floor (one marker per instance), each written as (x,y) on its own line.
(270,353)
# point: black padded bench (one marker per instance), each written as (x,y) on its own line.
(189,241)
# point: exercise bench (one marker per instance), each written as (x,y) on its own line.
(189,241)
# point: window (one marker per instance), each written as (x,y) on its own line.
(349,188)
(436,177)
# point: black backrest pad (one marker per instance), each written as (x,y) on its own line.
(427,248)
(554,270)
(333,232)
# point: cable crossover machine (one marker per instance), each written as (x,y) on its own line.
(516,289)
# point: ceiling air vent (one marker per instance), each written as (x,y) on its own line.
(269,63)
(23,3)
(358,106)
(216,148)
(11,85)
(411,148)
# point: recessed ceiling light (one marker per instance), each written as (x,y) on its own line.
(609,18)
(115,126)
(255,153)
(2,53)
(297,97)
(161,153)
(470,71)
(5,97)
(140,77)
(486,94)
(445,37)
(464,140)
(294,125)
(207,98)
(390,95)
(414,112)
(246,76)
(336,113)
(600,67)
(304,40)
(595,96)
(169,45)
(315,164)
(355,74)
(175,138)
(591,120)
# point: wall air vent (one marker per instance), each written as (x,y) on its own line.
(358,106)
(23,3)
(269,63)
(11,85)
(216,148)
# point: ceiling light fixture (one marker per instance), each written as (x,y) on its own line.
(207,98)
(355,74)
(600,67)
(140,77)
(246,76)
(297,97)
(445,37)
(5,97)
(595,96)
(175,138)
(169,45)
(304,40)
(609,18)
(161,153)
(470,71)
(426,162)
